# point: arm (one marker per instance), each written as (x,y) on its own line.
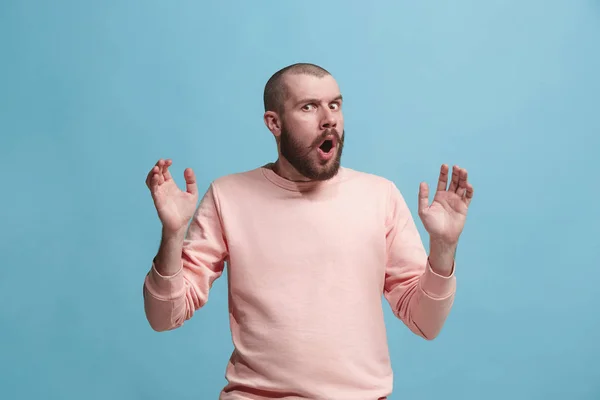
(185,268)
(418,295)
(421,288)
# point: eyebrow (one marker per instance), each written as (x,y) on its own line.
(309,100)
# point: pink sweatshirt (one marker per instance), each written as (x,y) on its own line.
(308,264)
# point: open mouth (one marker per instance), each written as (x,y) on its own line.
(326,146)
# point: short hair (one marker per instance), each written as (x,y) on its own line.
(276,91)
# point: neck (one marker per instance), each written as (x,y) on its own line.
(284,169)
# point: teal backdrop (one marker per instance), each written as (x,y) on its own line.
(92,94)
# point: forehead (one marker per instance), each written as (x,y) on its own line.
(303,86)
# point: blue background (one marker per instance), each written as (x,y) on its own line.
(93,93)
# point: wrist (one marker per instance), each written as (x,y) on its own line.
(176,235)
(441,244)
(168,259)
(441,256)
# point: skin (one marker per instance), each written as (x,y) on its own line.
(444,219)
(312,110)
(175,208)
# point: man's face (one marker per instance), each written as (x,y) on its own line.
(312,126)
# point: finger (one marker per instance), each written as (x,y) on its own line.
(423,197)
(165,170)
(190,181)
(159,171)
(443,180)
(455,176)
(462,183)
(154,183)
(155,169)
(469,194)
(149,176)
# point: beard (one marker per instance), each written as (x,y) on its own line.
(305,160)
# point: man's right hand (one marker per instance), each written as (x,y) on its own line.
(175,207)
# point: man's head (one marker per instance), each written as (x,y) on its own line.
(303,110)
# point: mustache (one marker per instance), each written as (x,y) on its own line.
(327,133)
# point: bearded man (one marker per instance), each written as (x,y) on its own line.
(311,247)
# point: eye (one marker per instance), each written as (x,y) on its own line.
(335,106)
(308,107)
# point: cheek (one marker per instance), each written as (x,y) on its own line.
(305,129)
(309,123)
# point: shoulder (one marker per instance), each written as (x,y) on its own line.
(237,178)
(369,181)
(236,185)
(369,185)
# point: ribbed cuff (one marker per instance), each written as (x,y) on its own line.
(436,285)
(165,287)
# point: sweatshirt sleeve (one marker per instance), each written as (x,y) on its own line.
(171,300)
(417,295)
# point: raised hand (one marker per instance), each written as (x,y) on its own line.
(175,207)
(444,218)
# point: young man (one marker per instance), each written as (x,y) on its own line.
(311,247)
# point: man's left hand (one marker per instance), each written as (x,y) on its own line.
(444,219)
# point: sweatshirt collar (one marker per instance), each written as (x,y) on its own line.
(298,186)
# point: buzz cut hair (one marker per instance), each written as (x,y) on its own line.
(276,92)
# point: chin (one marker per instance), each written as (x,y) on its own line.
(326,171)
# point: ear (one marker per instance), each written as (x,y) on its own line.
(273,123)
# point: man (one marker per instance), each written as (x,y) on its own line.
(311,247)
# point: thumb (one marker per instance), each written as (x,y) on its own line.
(423,197)
(190,181)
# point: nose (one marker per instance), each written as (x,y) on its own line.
(329,119)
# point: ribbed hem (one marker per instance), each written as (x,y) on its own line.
(165,287)
(436,285)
